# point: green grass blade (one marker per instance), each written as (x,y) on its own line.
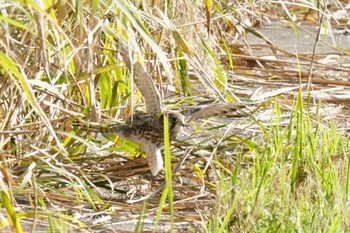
(6,202)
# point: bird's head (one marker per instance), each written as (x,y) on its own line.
(176,122)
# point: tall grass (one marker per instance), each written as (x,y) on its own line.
(60,63)
(298,182)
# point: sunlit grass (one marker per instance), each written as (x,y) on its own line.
(61,64)
(299,178)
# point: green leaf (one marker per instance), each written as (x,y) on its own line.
(15,23)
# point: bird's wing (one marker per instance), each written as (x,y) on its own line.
(154,158)
(219,109)
(144,83)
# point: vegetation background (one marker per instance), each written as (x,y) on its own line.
(283,169)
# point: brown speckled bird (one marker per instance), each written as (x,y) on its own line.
(147,129)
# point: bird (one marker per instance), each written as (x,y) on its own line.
(147,129)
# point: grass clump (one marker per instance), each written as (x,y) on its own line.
(297,183)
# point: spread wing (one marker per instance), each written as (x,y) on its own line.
(144,83)
(220,109)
